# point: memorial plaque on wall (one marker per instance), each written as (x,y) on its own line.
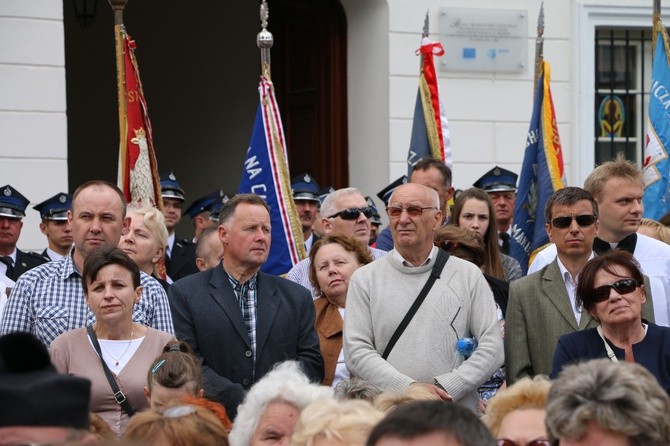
(484,39)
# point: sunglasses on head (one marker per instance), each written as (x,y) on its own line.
(623,286)
(506,442)
(412,210)
(582,220)
(353,213)
(448,245)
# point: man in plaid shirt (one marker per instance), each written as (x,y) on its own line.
(49,300)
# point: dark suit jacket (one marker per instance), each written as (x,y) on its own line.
(24,262)
(538,313)
(328,326)
(182,260)
(207,316)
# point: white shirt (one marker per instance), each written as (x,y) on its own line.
(654,259)
(3,267)
(571,287)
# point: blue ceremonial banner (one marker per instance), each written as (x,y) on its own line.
(656,171)
(266,174)
(541,175)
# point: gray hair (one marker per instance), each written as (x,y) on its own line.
(328,207)
(286,382)
(623,397)
(356,389)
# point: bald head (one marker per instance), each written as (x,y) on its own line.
(415,215)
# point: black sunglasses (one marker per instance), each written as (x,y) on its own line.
(506,442)
(623,286)
(353,213)
(582,220)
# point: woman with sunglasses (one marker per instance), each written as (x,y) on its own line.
(473,210)
(611,289)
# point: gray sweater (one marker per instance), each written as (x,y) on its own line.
(460,304)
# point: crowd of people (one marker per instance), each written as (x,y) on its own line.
(424,332)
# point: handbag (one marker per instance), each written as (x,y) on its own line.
(119,396)
(441,260)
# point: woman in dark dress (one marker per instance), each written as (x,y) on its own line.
(611,289)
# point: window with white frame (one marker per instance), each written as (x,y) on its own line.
(623,72)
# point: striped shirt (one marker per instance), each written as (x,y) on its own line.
(49,300)
(300,271)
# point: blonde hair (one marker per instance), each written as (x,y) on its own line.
(154,221)
(388,401)
(527,393)
(662,232)
(347,422)
(199,427)
(620,167)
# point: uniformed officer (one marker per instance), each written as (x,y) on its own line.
(306,198)
(501,186)
(180,253)
(216,207)
(375,221)
(55,225)
(200,212)
(384,240)
(13,261)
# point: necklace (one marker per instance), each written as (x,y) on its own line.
(117,360)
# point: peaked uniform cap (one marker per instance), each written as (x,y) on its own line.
(385,194)
(304,187)
(170,187)
(497,180)
(56,207)
(12,203)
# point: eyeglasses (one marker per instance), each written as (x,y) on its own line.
(582,220)
(412,210)
(623,286)
(506,442)
(353,213)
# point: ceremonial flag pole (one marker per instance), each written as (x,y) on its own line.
(138,169)
(266,170)
(656,170)
(430,128)
(542,169)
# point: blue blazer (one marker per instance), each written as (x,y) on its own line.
(207,316)
(653,352)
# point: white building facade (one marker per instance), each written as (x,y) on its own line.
(488,112)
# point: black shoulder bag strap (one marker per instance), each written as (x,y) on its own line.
(119,396)
(441,260)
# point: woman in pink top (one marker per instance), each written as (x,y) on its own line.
(111,282)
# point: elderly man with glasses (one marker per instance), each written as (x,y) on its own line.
(542,306)
(453,302)
(343,212)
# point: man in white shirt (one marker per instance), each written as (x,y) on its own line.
(617,187)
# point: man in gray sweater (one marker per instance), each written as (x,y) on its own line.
(459,305)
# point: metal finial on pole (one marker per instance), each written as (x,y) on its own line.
(264,40)
(118,7)
(426,26)
(539,44)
